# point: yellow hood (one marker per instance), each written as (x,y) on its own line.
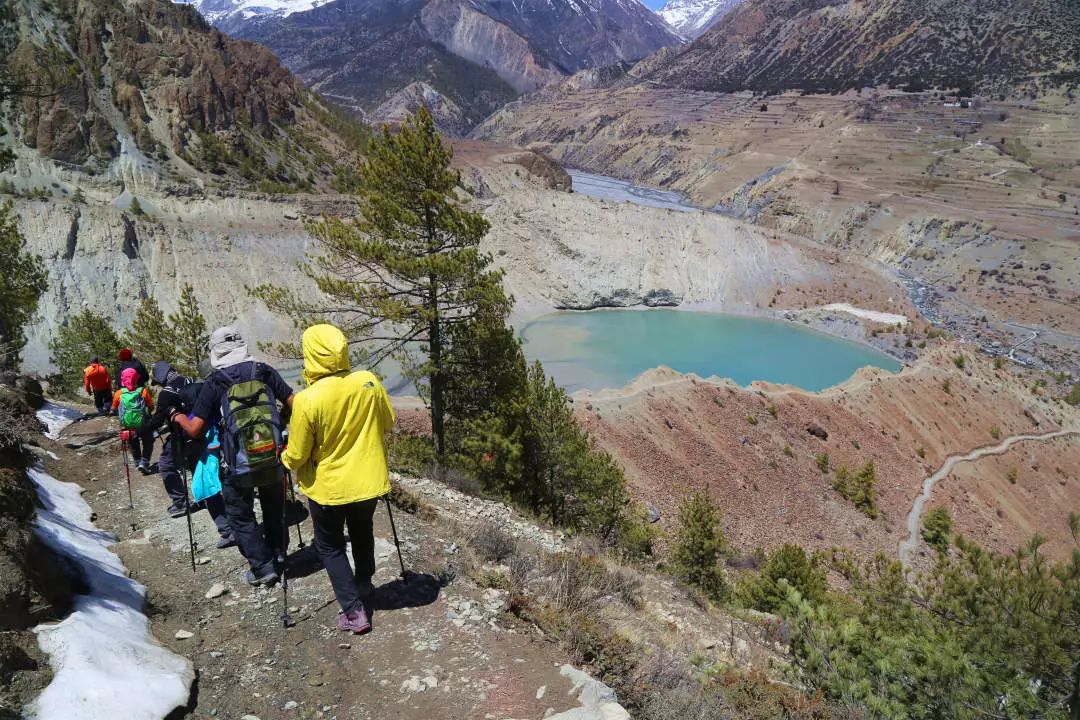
(326,352)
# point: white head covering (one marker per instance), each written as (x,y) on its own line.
(227,348)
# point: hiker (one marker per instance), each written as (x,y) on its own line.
(128,360)
(98,384)
(179,392)
(241,396)
(337,449)
(132,404)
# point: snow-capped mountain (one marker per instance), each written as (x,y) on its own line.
(476,55)
(691,18)
(228,15)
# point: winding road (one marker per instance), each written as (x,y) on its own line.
(914,518)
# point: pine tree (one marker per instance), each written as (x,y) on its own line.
(189,332)
(150,337)
(82,337)
(937,528)
(22,283)
(400,277)
(700,544)
(136,207)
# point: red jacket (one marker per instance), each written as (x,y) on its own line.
(96,377)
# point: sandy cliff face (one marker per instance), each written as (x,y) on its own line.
(106,259)
(478,38)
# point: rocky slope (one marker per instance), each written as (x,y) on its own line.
(830,45)
(477,54)
(691,18)
(672,432)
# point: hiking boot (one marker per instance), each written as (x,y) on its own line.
(226,542)
(268,578)
(177,509)
(355,621)
(144,467)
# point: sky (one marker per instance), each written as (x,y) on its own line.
(654,4)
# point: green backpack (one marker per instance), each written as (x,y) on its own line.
(251,433)
(132,409)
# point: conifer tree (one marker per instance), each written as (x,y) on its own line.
(84,336)
(407,271)
(700,544)
(149,336)
(22,283)
(189,332)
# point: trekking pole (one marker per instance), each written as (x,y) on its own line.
(393,529)
(127,473)
(286,620)
(178,460)
(292,496)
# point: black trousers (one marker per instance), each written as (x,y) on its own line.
(141,444)
(170,475)
(258,543)
(330,522)
(103,401)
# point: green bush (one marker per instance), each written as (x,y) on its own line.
(84,336)
(789,563)
(860,488)
(978,635)
(822,461)
(22,283)
(937,528)
(700,545)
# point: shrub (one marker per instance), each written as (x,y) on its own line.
(773,410)
(937,528)
(959,362)
(822,461)
(946,386)
(493,543)
(789,563)
(788,451)
(1013,475)
(1073,398)
(751,419)
(23,282)
(860,488)
(699,546)
(921,452)
(410,454)
(995,432)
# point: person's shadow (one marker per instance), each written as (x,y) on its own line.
(420,590)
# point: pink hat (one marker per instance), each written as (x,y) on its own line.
(129,378)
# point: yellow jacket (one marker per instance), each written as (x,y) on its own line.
(336,435)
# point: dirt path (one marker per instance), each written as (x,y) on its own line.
(441,646)
(914,518)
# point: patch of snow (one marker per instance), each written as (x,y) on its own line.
(106,664)
(56,418)
(598,701)
(871,315)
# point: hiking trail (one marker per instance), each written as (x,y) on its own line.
(914,519)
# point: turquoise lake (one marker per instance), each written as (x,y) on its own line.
(609,348)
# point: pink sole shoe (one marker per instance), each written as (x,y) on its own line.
(355,622)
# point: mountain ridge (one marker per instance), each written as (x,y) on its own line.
(835,45)
(476,55)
